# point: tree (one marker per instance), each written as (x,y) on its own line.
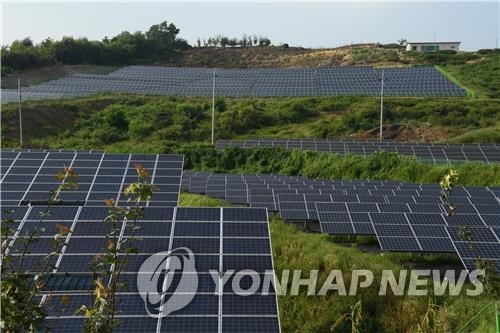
(264,41)
(163,35)
(224,41)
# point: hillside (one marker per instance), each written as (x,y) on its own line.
(477,71)
(151,122)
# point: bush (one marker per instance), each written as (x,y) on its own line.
(381,165)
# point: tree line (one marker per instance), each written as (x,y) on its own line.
(161,41)
(225,41)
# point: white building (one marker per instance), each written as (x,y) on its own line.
(432,46)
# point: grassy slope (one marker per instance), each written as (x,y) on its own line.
(85,122)
(472,69)
(481,76)
(294,249)
(38,75)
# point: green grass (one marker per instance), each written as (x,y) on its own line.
(294,249)
(482,75)
(470,92)
(490,134)
(198,200)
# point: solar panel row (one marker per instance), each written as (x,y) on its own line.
(404,217)
(419,81)
(437,153)
(28,176)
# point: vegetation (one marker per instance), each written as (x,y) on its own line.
(225,41)
(293,249)
(151,122)
(160,41)
(21,285)
(383,165)
(197,200)
(480,75)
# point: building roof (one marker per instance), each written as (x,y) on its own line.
(433,42)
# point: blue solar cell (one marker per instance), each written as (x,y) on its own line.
(364,228)
(426,219)
(197,245)
(198,214)
(200,229)
(393,230)
(475,234)
(436,244)
(388,218)
(245,230)
(257,263)
(250,324)
(233,304)
(190,324)
(399,244)
(246,246)
(337,228)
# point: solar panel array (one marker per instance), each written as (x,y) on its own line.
(28,176)
(157,80)
(437,153)
(404,217)
(221,239)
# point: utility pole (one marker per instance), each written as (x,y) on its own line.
(213,106)
(382,105)
(20,117)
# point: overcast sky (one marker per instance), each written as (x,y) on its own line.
(475,24)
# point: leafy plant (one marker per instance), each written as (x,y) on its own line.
(490,277)
(355,317)
(100,316)
(21,310)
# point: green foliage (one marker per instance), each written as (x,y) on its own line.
(225,41)
(363,114)
(482,75)
(152,122)
(21,310)
(444,57)
(159,41)
(381,165)
(293,249)
(487,135)
(100,315)
(197,200)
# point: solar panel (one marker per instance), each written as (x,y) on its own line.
(227,238)
(335,81)
(30,185)
(221,239)
(488,153)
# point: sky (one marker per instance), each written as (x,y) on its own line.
(321,24)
